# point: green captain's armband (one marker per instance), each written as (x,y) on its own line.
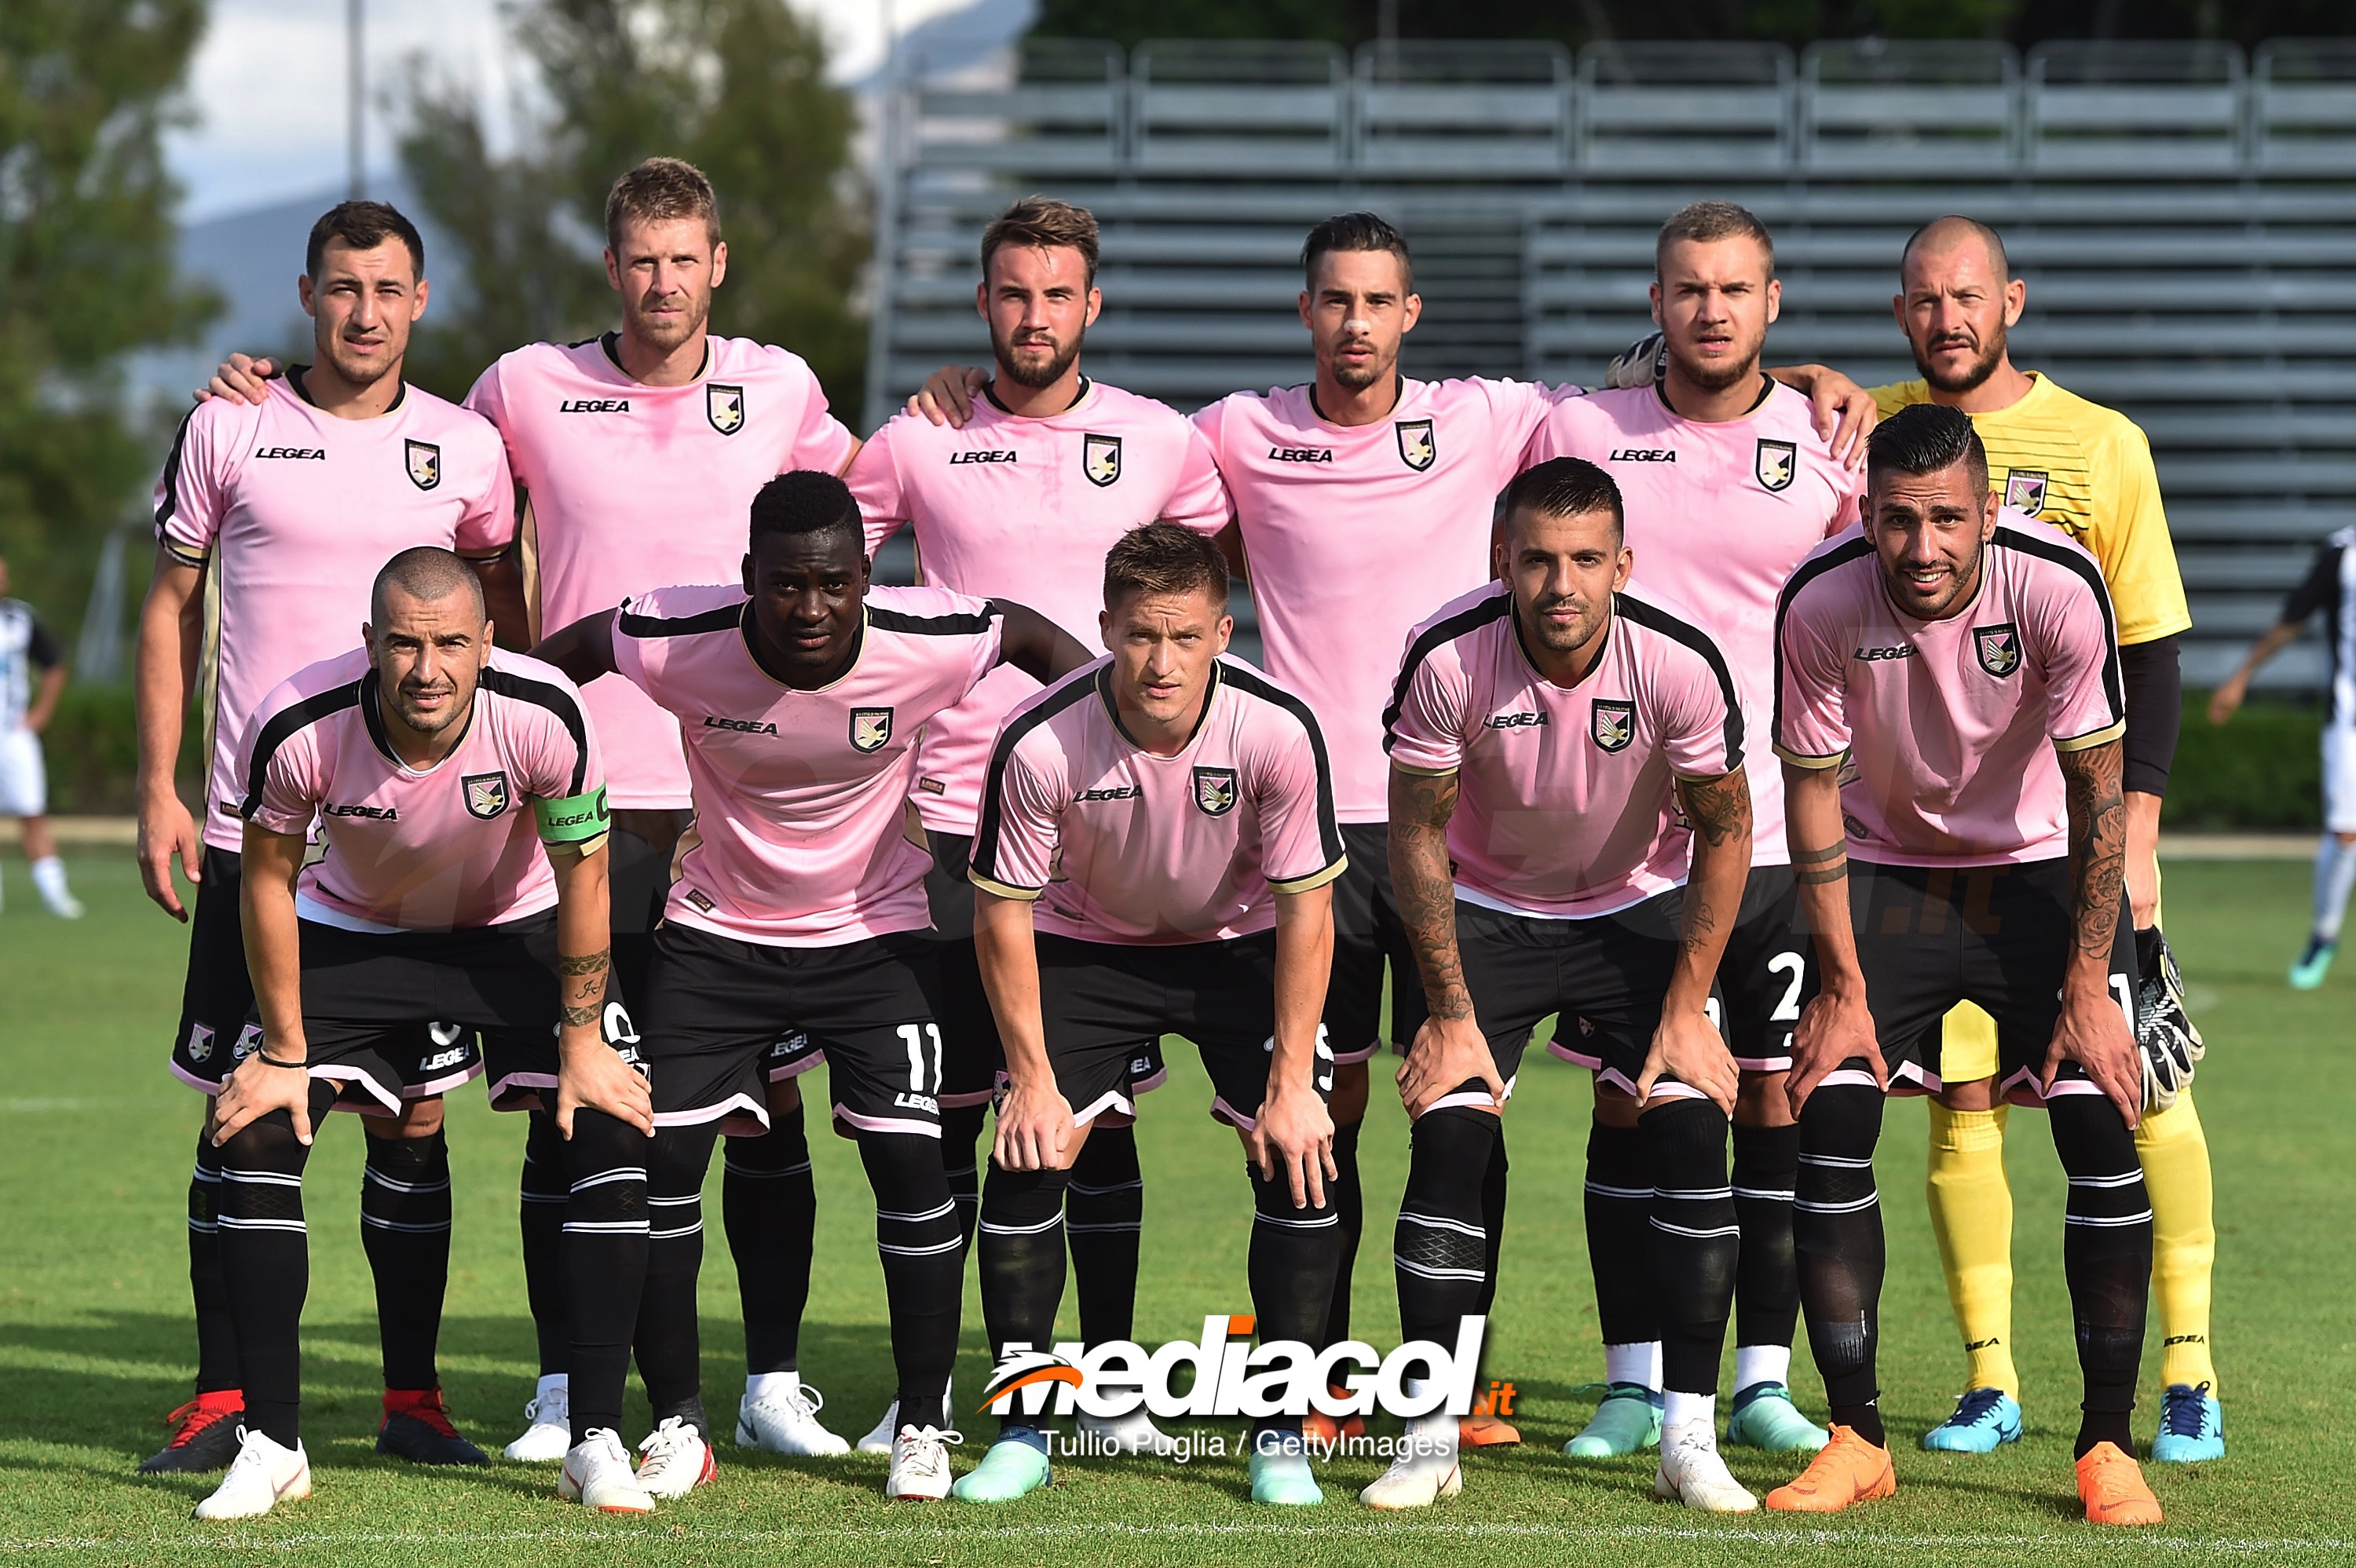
(574,822)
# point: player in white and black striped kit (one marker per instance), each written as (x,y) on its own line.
(32,673)
(2330,587)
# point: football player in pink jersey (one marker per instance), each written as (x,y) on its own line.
(290,504)
(1570,832)
(1728,487)
(636,452)
(1156,855)
(1024,499)
(461,807)
(800,908)
(1949,709)
(1334,484)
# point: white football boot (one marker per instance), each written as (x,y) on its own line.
(786,1422)
(263,1475)
(597,1474)
(1692,1473)
(920,1465)
(881,1437)
(548,1425)
(678,1459)
(1425,1471)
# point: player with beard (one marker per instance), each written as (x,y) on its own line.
(1049,473)
(462,816)
(1959,669)
(1335,484)
(2087,470)
(1728,487)
(269,520)
(636,453)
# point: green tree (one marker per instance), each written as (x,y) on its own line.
(87,269)
(737,87)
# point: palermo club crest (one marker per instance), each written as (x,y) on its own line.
(424,464)
(724,407)
(1775,463)
(1418,447)
(1613,724)
(1101,459)
(1998,648)
(870,728)
(2024,491)
(1215,791)
(486,794)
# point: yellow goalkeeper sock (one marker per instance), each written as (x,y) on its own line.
(2175,1153)
(1971,1213)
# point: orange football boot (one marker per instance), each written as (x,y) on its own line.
(1848,1469)
(2112,1486)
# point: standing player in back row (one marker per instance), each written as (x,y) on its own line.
(1961,671)
(289,505)
(2087,470)
(1728,487)
(1339,486)
(1023,501)
(636,453)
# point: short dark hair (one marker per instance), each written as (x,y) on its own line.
(426,572)
(1045,223)
(1356,232)
(1985,234)
(1925,438)
(658,190)
(1163,558)
(1706,222)
(1565,487)
(802,503)
(363,226)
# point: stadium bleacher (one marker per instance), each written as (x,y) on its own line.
(2185,218)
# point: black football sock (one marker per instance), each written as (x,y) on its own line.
(1440,1252)
(769,1203)
(604,1263)
(405,1231)
(1021,1244)
(1348,1201)
(669,1344)
(1493,1221)
(545,1191)
(1836,1235)
(922,1246)
(1619,1202)
(960,1162)
(1294,1251)
(216,1328)
(1104,1210)
(2106,1257)
(266,1264)
(1767,1278)
(1694,1241)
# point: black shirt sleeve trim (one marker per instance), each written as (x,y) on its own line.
(557,701)
(1807,572)
(2092,576)
(1077,686)
(955,625)
(1437,636)
(284,725)
(1329,830)
(1652,618)
(632,625)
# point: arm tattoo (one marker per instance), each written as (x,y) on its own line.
(2098,843)
(1814,867)
(1719,807)
(583,962)
(1426,893)
(586,1005)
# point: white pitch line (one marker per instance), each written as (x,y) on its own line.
(1800,1535)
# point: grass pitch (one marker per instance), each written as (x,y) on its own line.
(95,1342)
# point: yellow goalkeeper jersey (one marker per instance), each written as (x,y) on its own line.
(2087,470)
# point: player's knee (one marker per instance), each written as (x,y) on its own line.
(1759,1101)
(1978,1094)
(1615,1107)
(267,1145)
(1023,1203)
(1351,1088)
(418,1119)
(784,1098)
(677,1158)
(2093,1140)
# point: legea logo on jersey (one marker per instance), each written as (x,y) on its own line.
(424,464)
(870,728)
(1100,458)
(1418,445)
(1233,1377)
(1775,463)
(1613,724)
(1998,648)
(724,407)
(2024,491)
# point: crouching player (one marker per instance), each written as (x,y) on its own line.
(798,911)
(1155,855)
(1962,669)
(1544,732)
(436,768)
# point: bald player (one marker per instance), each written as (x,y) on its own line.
(2088,471)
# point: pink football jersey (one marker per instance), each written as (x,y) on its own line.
(1352,532)
(1951,725)
(1719,514)
(1120,845)
(630,486)
(1025,509)
(800,795)
(452,847)
(1565,805)
(296,511)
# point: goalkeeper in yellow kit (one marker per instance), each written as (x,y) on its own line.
(2087,470)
